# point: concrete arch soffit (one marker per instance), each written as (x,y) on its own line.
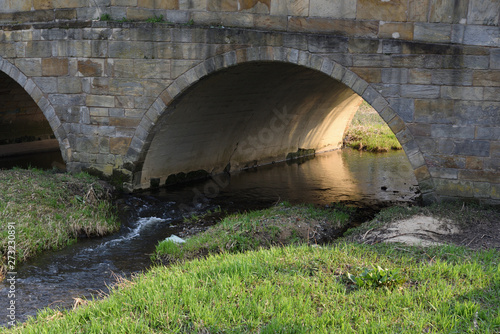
(36,94)
(145,130)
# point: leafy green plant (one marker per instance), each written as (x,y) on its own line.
(377,277)
(190,22)
(155,19)
(105,17)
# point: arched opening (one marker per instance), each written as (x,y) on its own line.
(26,138)
(250,114)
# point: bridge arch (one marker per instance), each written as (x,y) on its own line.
(151,121)
(32,89)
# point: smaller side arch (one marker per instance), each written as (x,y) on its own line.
(42,102)
(145,131)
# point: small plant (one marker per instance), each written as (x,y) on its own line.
(105,17)
(155,19)
(190,22)
(122,20)
(377,277)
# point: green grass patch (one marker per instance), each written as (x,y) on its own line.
(50,210)
(369,132)
(279,225)
(299,289)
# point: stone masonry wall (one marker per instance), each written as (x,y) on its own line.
(473,22)
(104,85)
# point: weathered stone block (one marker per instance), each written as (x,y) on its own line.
(474,163)
(327,44)
(388,90)
(30,67)
(368,29)
(100,101)
(495,59)
(371,75)
(418,10)
(119,145)
(483,12)
(482,35)
(486,78)
(417,61)
(420,91)
(87,145)
(290,7)
(396,30)
(448,11)
(405,108)
(432,32)
(371,60)
(492,93)
(444,173)
(69,85)
(47,85)
(488,133)
(90,68)
(477,148)
(342,9)
(452,131)
(128,50)
(125,122)
(420,76)
(462,93)
(452,77)
(67,100)
(394,11)
(395,75)
(38,49)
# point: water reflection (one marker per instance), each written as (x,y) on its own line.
(55,278)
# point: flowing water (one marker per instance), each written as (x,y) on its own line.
(87,268)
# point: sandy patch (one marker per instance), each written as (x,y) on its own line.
(417,230)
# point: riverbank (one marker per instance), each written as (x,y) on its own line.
(296,285)
(369,132)
(41,210)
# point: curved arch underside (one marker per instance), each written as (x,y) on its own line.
(23,126)
(247,115)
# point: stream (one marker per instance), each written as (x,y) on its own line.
(87,268)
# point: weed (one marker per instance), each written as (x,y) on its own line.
(377,277)
(155,19)
(105,17)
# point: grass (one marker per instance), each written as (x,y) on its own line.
(50,210)
(279,225)
(369,132)
(298,289)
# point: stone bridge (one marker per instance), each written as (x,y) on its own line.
(143,90)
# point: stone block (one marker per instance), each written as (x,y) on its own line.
(395,11)
(452,131)
(476,113)
(395,75)
(47,85)
(396,30)
(479,176)
(454,188)
(486,78)
(156,68)
(387,90)
(466,62)
(341,9)
(38,49)
(432,32)
(484,12)
(363,45)
(495,59)
(452,77)
(482,35)
(100,101)
(444,173)
(477,148)
(166,4)
(392,46)
(420,130)
(81,49)
(119,145)
(405,108)
(492,93)
(327,44)
(69,85)
(420,76)
(418,10)
(42,4)
(290,7)
(417,61)
(488,133)
(368,29)
(397,125)
(30,67)
(448,11)
(369,74)
(65,14)
(462,93)
(67,100)
(90,68)
(420,91)
(87,145)
(474,163)
(128,50)
(371,60)
(125,122)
